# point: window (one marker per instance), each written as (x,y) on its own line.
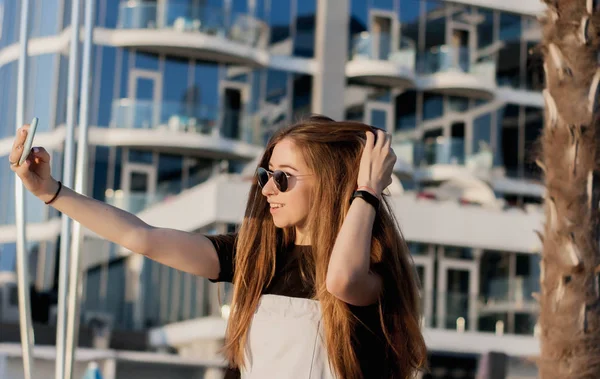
(433,106)
(485,30)
(510,139)
(482,133)
(304,40)
(406,111)
(534,124)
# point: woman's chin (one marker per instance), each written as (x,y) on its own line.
(281,223)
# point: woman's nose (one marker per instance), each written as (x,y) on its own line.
(269,188)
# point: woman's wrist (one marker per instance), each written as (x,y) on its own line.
(369,188)
(51,191)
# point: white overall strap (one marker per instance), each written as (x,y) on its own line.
(286,340)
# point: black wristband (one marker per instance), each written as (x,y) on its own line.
(56,194)
(366,196)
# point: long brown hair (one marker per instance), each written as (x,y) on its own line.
(339,145)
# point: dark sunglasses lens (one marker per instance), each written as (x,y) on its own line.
(280,180)
(263,176)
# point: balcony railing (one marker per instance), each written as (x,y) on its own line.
(229,123)
(378,46)
(173,116)
(134,202)
(463,312)
(180,15)
(515,292)
(446,58)
(450,151)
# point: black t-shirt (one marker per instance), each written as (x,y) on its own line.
(368,341)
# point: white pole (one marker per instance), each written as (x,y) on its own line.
(75,287)
(25,323)
(65,237)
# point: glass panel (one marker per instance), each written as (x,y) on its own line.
(173,116)
(137,197)
(406,111)
(146,61)
(139,182)
(144,89)
(107,70)
(510,26)
(232,112)
(510,139)
(458,104)
(100,172)
(409,23)
(199,171)
(439,150)
(485,30)
(170,169)
(281,20)
(494,269)
(433,106)
(509,63)
(185,17)
(534,124)
(379,118)
(360,13)
(140,156)
(435,28)
(7,193)
(8,257)
(304,41)
(302,96)
(42,88)
(525,323)
(457,300)
(387,5)
(175,78)
(482,133)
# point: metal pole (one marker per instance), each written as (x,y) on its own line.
(65,237)
(75,287)
(25,323)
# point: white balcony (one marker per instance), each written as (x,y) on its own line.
(449,70)
(373,63)
(175,27)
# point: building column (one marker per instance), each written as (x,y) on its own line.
(331,51)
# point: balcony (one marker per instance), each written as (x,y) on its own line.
(506,295)
(449,151)
(175,27)
(199,130)
(441,158)
(462,312)
(373,62)
(449,70)
(133,202)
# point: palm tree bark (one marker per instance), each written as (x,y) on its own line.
(569,322)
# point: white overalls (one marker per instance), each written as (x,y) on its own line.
(286,340)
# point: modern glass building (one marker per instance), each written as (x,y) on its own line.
(186,92)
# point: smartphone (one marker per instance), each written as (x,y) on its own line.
(29,140)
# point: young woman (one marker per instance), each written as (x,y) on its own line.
(323,285)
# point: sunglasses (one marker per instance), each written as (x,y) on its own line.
(280,178)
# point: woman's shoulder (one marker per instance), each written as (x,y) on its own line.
(225,241)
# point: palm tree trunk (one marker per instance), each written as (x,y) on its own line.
(569,319)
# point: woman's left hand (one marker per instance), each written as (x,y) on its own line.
(377,162)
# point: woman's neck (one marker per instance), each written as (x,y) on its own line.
(302,237)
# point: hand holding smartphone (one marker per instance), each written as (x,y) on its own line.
(29,141)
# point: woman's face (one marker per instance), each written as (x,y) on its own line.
(289,208)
